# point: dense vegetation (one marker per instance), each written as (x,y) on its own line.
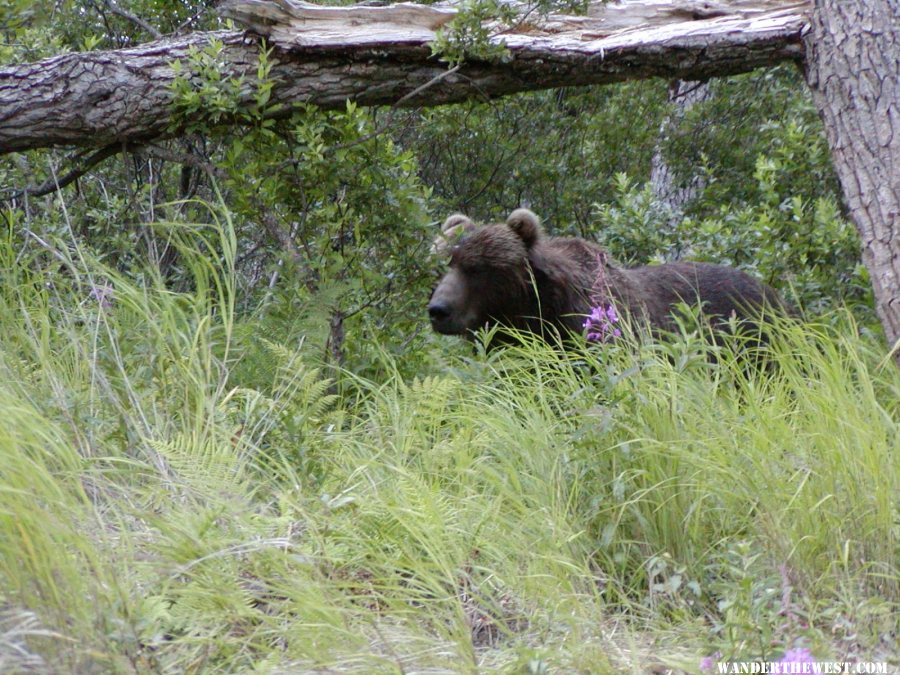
(230,441)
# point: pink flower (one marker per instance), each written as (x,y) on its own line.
(103,294)
(599,324)
(708,663)
(794,660)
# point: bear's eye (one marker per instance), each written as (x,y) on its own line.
(463,262)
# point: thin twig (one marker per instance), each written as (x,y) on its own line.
(188,21)
(190,160)
(433,81)
(52,184)
(133,18)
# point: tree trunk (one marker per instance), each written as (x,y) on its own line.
(382,55)
(683,95)
(853,69)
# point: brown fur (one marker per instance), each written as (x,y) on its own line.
(513,275)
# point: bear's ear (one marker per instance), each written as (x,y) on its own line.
(456,222)
(453,229)
(527,225)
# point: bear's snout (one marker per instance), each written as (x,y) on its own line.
(448,309)
(441,315)
(444,319)
(438,311)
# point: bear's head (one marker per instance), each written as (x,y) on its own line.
(491,274)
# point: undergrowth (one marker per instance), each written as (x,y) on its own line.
(629,508)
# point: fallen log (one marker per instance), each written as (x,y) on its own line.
(382,56)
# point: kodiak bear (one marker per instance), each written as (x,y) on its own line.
(513,275)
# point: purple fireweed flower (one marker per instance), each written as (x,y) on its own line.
(794,660)
(611,314)
(103,294)
(599,324)
(708,663)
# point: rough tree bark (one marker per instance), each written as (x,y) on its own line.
(853,69)
(381,55)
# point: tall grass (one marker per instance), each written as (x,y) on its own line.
(165,508)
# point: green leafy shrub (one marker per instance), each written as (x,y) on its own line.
(555,152)
(805,248)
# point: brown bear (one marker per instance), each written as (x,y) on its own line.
(513,275)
